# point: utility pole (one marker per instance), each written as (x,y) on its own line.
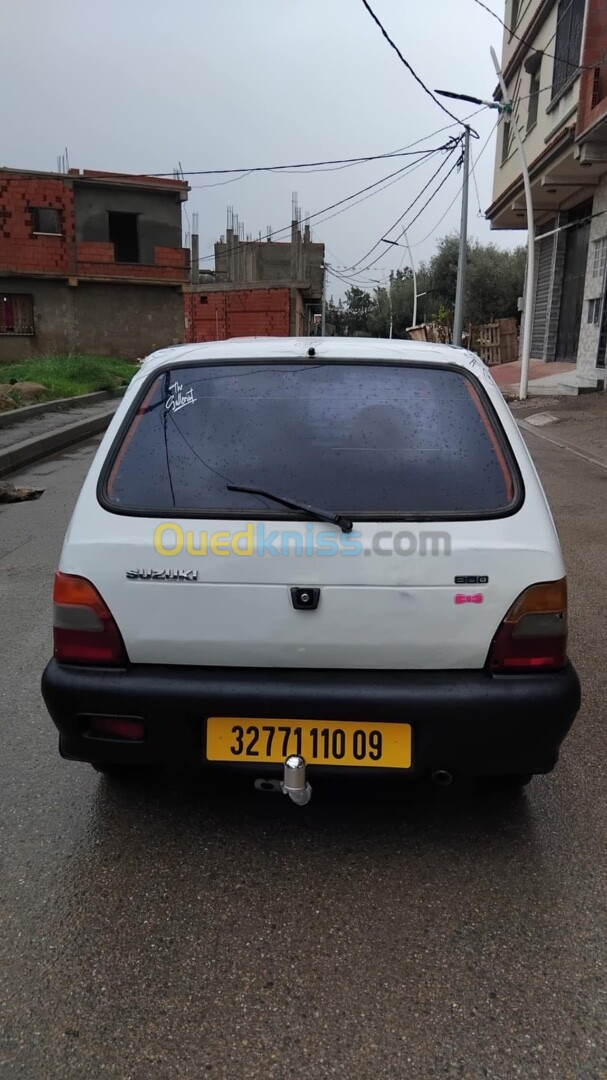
(395,243)
(414,280)
(505,108)
(458,315)
(323,323)
(389,291)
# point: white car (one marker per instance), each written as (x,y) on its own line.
(293,555)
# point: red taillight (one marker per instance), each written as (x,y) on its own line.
(84,630)
(533,636)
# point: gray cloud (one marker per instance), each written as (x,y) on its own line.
(139,85)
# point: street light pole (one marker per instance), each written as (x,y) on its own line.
(395,243)
(458,315)
(528,324)
(505,107)
(389,291)
(414,280)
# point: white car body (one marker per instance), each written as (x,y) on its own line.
(384,612)
(416,625)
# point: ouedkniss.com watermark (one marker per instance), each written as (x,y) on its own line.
(170,539)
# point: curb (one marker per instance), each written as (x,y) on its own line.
(17,416)
(571,448)
(30,450)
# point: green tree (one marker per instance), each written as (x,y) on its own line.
(360,305)
(494,279)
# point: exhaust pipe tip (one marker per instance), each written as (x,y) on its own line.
(442,777)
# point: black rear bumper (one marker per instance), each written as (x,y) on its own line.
(468,722)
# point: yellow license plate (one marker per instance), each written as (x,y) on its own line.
(240,739)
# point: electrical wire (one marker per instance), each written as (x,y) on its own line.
(312,165)
(409,169)
(418,243)
(420,212)
(406,211)
(550,56)
(406,62)
(425,154)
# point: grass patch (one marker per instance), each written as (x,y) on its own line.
(67,376)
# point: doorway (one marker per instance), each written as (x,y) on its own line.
(574,276)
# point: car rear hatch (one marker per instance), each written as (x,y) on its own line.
(447,527)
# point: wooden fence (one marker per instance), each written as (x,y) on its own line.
(496,342)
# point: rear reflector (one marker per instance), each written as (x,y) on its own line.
(84,630)
(116,727)
(533,635)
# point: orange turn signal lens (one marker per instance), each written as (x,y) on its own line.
(549,597)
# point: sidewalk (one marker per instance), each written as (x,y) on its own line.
(508,376)
(579,424)
(36,434)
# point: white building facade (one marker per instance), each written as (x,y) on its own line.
(554,59)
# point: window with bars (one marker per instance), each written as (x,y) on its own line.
(594,311)
(568,43)
(599,257)
(17,314)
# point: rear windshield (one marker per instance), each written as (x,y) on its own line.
(371,440)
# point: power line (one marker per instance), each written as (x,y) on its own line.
(405,212)
(393,45)
(419,213)
(304,164)
(551,56)
(418,243)
(359,280)
(425,155)
(408,169)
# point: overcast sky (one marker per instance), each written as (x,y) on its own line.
(140,85)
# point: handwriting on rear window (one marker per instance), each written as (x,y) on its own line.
(177,399)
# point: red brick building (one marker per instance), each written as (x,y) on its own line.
(258,288)
(217,312)
(90,262)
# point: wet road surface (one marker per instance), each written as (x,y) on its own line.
(171,929)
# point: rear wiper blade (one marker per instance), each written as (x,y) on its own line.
(344,523)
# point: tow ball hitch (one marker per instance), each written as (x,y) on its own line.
(294,782)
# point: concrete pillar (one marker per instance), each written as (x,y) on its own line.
(194,259)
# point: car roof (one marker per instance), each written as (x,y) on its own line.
(298,348)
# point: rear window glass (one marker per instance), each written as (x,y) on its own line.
(367,439)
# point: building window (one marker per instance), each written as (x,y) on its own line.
(599,257)
(46,220)
(16,314)
(594,311)
(534,97)
(570,26)
(124,235)
(505,141)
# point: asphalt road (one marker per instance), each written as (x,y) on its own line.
(176,931)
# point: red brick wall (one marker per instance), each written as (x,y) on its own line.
(21,250)
(97,260)
(237,313)
(593,80)
(24,252)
